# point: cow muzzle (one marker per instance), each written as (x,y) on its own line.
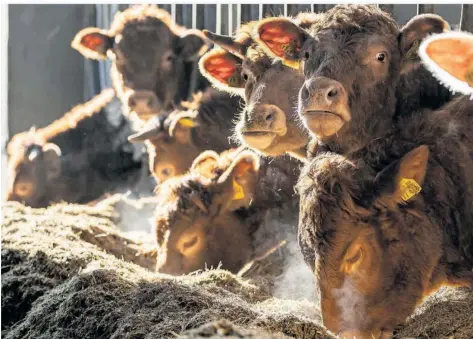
(262,126)
(323,106)
(145,104)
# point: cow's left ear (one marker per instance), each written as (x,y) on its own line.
(239,180)
(402,180)
(418,28)
(281,39)
(52,160)
(93,43)
(192,45)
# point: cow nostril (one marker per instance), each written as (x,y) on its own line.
(269,116)
(332,93)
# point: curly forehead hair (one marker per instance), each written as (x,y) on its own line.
(366,18)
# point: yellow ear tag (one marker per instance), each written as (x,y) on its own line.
(238,192)
(186,122)
(409,188)
(292,63)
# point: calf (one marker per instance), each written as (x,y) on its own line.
(214,214)
(174,142)
(76,159)
(361,71)
(153,59)
(387,225)
(449,56)
(268,122)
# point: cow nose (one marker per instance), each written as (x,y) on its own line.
(322,91)
(361,335)
(144,103)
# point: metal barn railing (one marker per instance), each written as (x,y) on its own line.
(226,18)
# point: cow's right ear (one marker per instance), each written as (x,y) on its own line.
(281,39)
(205,163)
(93,43)
(449,56)
(223,70)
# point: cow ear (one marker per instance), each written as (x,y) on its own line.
(449,56)
(192,45)
(402,180)
(52,160)
(281,39)
(240,179)
(223,70)
(93,43)
(181,129)
(418,28)
(205,163)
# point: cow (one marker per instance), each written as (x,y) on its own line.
(153,59)
(361,71)
(213,214)
(268,123)
(449,56)
(75,159)
(389,224)
(173,142)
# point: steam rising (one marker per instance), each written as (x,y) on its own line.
(351,304)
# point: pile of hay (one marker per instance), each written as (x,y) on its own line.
(67,272)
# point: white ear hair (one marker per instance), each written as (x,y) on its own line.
(52,147)
(445,78)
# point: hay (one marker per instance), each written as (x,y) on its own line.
(74,289)
(58,283)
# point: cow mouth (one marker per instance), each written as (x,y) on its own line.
(259,139)
(323,123)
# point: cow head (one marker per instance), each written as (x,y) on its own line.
(201,221)
(150,57)
(367,237)
(170,144)
(32,169)
(268,122)
(449,56)
(352,60)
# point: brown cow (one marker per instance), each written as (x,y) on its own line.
(352,61)
(268,123)
(213,214)
(204,124)
(76,159)
(153,59)
(387,225)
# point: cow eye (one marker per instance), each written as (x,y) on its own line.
(381,57)
(245,76)
(306,55)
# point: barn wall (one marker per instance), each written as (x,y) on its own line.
(45,75)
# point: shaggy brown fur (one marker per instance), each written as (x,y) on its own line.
(77,158)
(204,124)
(375,253)
(214,214)
(345,106)
(268,122)
(153,59)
